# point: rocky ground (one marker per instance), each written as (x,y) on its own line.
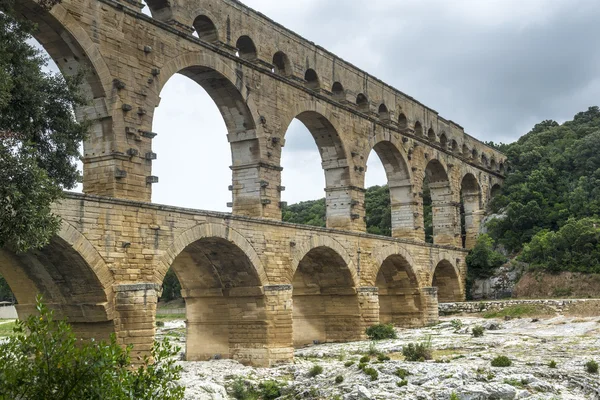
(460,369)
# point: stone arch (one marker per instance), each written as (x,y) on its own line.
(222,282)
(465,150)
(72,277)
(402,121)
(454,146)
(493,164)
(311,79)
(471,204)
(399,176)
(321,241)
(246,48)
(474,154)
(362,102)
(324,294)
(484,160)
(206,28)
(384,253)
(501,168)
(495,190)
(418,129)
(338,91)
(445,211)
(204,231)
(446,277)
(431,135)
(384,113)
(443,140)
(281,63)
(160,9)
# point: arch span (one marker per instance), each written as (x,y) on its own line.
(447,278)
(326,307)
(444,208)
(471,204)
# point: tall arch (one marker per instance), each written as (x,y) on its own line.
(222,283)
(443,140)
(384,113)
(281,63)
(402,121)
(338,91)
(311,79)
(470,192)
(447,280)
(325,301)
(74,52)
(334,162)
(444,210)
(217,79)
(399,176)
(362,102)
(418,129)
(431,135)
(399,295)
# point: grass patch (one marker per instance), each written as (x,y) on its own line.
(516,311)
(6,329)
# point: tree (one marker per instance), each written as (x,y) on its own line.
(39,136)
(44,361)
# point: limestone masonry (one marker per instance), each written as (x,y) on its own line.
(254,286)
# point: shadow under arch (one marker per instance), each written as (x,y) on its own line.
(324,295)
(71,276)
(222,283)
(447,280)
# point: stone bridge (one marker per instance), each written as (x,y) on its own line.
(254,286)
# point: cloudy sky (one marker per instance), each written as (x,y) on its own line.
(496,67)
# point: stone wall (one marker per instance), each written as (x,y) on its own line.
(559,306)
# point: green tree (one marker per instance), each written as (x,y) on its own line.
(39,136)
(44,361)
(171,288)
(483,259)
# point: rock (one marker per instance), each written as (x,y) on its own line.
(203,390)
(492,326)
(361,393)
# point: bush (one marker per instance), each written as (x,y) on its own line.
(372,372)
(270,390)
(417,351)
(454,396)
(552,364)
(457,324)
(315,370)
(402,383)
(349,364)
(242,390)
(44,360)
(382,357)
(477,331)
(364,359)
(381,332)
(401,373)
(339,379)
(501,361)
(362,366)
(372,349)
(160,324)
(591,367)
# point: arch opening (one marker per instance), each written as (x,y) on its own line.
(493,165)
(224,301)
(484,160)
(312,79)
(471,210)
(330,159)
(440,212)
(402,121)
(362,102)
(431,135)
(338,91)
(399,296)
(495,190)
(246,48)
(384,113)
(418,129)
(454,146)
(281,64)
(206,29)
(447,281)
(215,111)
(443,140)
(326,307)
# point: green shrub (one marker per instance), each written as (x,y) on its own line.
(454,396)
(362,366)
(418,351)
(501,361)
(160,324)
(552,364)
(591,367)
(401,373)
(402,383)
(349,364)
(457,324)
(382,357)
(242,390)
(381,332)
(477,331)
(372,349)
(270,390)
(44,360)
(339,379)
(315,370)
(372,372)
(364,359)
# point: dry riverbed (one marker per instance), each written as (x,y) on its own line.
(461,368)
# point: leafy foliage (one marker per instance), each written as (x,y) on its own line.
(315,370)
(591,367)
(381,332)
(171,287)
(5,293)
(39,137)
(418,351)
(306,213)
(477,331)
(43,360)
(555,176)
(501,361)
